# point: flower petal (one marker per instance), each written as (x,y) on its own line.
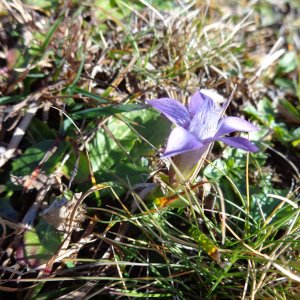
(239,142)
(175,111)
(181,141)
(204,123)
(199,101)
(231,124)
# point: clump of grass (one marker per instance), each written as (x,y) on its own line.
(73,81)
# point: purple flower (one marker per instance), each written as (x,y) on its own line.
(201,123)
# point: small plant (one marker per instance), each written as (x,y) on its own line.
(197,127)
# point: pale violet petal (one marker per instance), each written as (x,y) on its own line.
(175,111)
(232,124)
(239,142)
(181,141)
(199,101)
(205,122)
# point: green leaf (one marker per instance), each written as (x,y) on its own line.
(39,131)
(121,152)
(285,83)
(260,202)
(78,74)
(233,164)
(6,210)
(43,4)
(26,163)
(83,173)
(11,99)
(36,75)
(267,15)
(291,109)
(91,113)
(205,243)
(296,134)
(264,111)
(89,95)
(50,34)
(29,160)
(287,63)
(40,243)
(216,169)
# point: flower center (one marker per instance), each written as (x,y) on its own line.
(205,123)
